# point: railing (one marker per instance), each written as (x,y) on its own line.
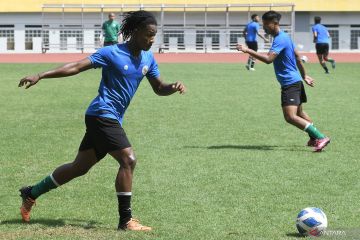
(215,27)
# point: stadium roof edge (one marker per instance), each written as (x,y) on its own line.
(167,5)
(300,5)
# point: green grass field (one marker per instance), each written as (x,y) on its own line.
(217,163)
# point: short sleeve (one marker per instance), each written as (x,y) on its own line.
(277,45)
(153,69)
(100,58)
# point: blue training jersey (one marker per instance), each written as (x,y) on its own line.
(252,29)
(285,63)
(121,76)
(322,33)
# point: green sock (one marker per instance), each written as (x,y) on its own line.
(325,67)
(252,63)
(313,132)
(44,186)
(249,62)
(330,60)
(312,124)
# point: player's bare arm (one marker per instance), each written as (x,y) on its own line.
(164,89)
(263,37)
(269,58)
(68,69)
(314,37)
(299,64)
(307,79)
(244,33)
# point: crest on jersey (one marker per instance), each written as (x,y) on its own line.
(145,69)
(126,67)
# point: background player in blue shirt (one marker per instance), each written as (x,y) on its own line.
(123,68)
(321,40)
(286,64)
(251,31)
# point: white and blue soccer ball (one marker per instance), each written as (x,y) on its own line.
(304,59)
(311,221)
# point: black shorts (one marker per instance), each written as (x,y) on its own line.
(252,45)
(103,135)
(322,48)
(293,94)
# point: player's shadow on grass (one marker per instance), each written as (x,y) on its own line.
(253,147)
(245,147)
(53,222)
(294,235)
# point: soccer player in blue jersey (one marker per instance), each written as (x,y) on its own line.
(321,40)
(287,61)
(123,68)
(251,31)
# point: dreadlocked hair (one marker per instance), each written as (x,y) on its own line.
(135,20)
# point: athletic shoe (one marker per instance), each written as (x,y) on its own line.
(252,69)
(27,203)
(311,142)
(333,64)
(321,144)
(327,72)
(247,67)
(134,225)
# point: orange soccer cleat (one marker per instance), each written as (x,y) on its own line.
(27,203)
(134,225)
(311,142)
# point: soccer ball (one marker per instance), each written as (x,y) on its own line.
(311,221)
(304,59)
(300,46)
